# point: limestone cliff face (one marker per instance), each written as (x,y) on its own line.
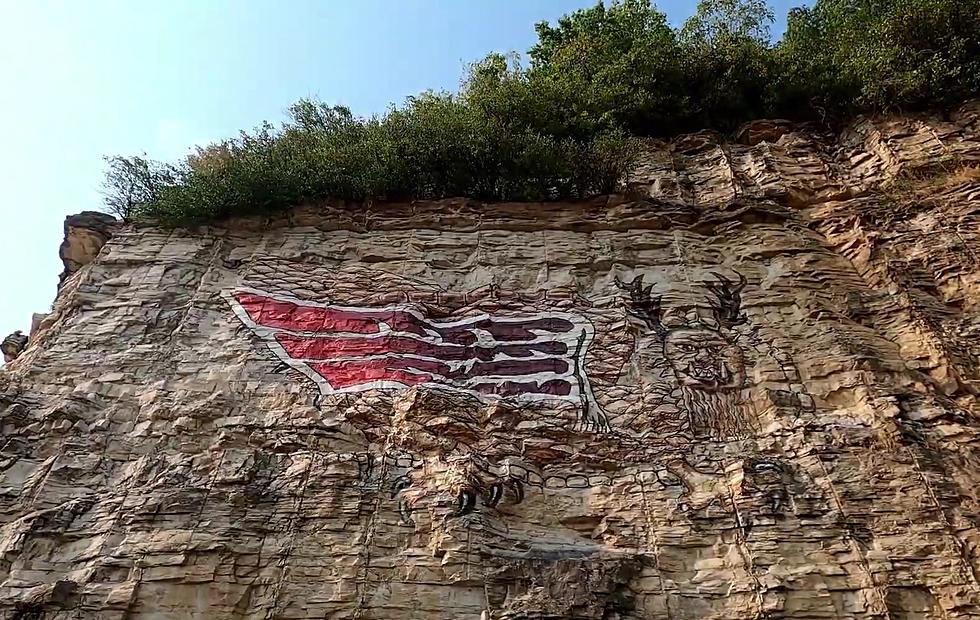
(747,388)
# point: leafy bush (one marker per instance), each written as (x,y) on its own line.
(565,126)
(436,146)
(847,56)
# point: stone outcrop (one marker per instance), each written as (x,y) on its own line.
(13,345)
(85,234)
(745,388)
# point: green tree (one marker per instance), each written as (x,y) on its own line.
(728,62)
(844,56)
(597,69)
(725,21)
(135,183)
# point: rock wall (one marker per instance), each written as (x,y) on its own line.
(746,388)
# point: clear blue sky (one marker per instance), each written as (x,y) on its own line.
(84,79)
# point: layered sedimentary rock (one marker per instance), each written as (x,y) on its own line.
(744,388)
(85,234)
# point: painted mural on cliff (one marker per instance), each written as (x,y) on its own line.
(688,364)
(492,388)
(349,349)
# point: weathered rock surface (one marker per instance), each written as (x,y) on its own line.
(748,390)
(13,345)
(85,234)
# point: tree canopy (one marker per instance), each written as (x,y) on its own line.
(565,122)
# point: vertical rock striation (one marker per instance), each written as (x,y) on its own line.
(747,388)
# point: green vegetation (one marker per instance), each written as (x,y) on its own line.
(567,124)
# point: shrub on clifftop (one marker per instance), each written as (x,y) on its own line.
(434,147)
(563,126)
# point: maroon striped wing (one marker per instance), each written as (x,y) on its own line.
(355,348)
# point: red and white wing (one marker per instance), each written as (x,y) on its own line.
(355,348)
